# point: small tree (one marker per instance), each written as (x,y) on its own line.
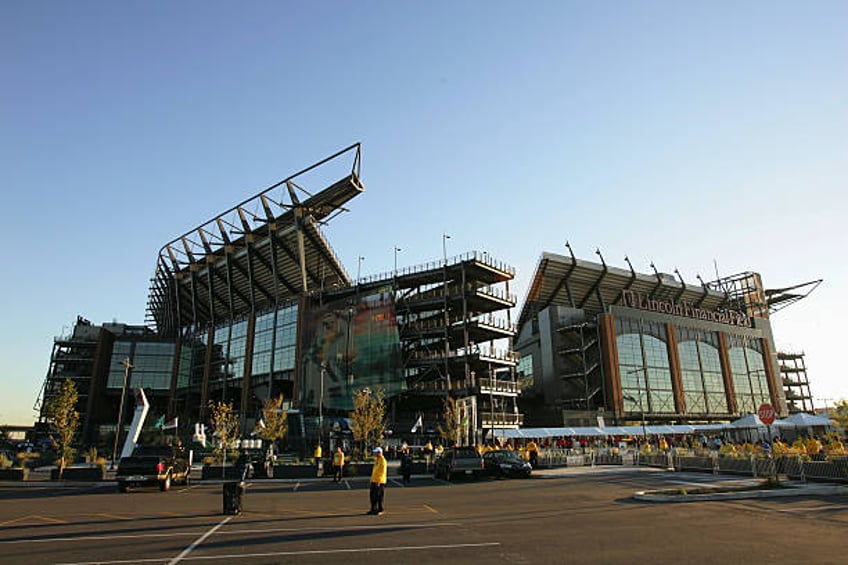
(225,424)
(840,415)
(275,421)
(64,419)
(368,416)
(450,430)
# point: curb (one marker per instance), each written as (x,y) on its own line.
(656,496)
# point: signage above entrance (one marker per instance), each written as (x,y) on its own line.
(633,299)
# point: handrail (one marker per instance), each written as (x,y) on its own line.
(479,256)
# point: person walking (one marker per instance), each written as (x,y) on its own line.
(533,454)
(378,482)
(317,454)
(338,464)
(406,465)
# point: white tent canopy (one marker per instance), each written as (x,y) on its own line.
(605,431)
(749,421)
(801,420)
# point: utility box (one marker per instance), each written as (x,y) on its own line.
(233,494)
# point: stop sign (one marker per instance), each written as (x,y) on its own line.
(766,414)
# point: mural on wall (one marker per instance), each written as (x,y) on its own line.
(356,344)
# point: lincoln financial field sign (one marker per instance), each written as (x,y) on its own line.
(641,301)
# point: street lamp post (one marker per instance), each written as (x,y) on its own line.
(321,404)
(639,392)
(127,366)
(446,237)
(226,366)
(397,249)
(359,267)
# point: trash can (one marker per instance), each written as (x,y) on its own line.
(233,492)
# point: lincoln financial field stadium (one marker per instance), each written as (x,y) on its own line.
(255,303)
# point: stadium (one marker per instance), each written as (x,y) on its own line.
(605,344)
(255,303)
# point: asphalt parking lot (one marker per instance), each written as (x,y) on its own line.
(566,517)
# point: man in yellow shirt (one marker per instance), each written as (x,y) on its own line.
(317,455)
(533,453)
(338,464)
(378,482)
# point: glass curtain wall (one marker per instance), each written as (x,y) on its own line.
(700,367)
(152,363)
(644,364)
(274,345)
(748,371)
(272,363)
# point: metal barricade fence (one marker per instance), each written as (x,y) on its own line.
(795,467)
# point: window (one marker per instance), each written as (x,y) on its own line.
(645,371)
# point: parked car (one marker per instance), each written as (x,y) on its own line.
(505,463)
(149,466)
(457,461)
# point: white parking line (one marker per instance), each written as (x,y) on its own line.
(234,557)
(231,532)
(198,541)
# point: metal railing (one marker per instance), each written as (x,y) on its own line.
(832,468)
(497,385)
(488,420)
(796,467)
(478,256)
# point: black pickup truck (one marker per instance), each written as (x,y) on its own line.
(149,466)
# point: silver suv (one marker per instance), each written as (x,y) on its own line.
(458,461)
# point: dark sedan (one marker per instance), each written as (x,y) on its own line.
(506,464)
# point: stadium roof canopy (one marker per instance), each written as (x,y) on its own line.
(263,252)
(566,281)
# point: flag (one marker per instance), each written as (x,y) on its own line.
(159,422)
(418,424)
(170,424)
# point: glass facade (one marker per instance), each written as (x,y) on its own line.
(272,360)
(274,343)
(524,373)
(646,383)
(700,371)
(153,363)
(644,364)
(747,368)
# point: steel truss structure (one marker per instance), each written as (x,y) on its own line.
(796,384)
(455,330)
(267,250)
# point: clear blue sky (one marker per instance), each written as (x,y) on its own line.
(687,134)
